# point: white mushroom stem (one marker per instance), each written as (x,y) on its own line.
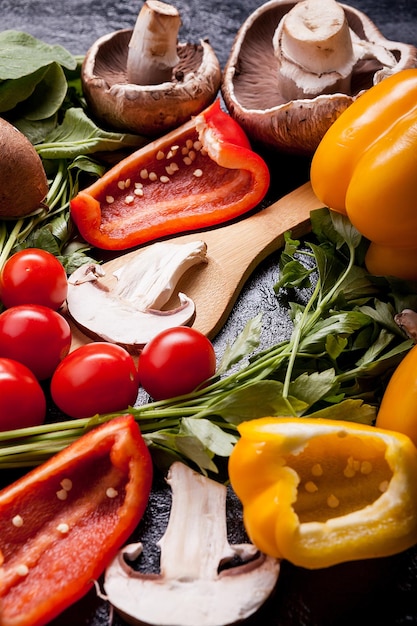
(153,46)
(192,587)
(317,50)
(129,311)
(150,278)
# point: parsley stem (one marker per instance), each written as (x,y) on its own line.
(296,338)
(311,315)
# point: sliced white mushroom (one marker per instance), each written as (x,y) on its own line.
(129,310)
(150,278)
(193,586)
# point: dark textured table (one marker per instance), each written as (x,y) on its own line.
(381,592)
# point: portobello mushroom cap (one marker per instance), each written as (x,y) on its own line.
(154,109)
(252,85)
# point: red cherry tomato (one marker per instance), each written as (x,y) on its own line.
(36,336)
(96,378)
(33,276)
(175,362)
(22,400)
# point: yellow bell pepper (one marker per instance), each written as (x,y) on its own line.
(319,492)
(398,409)
(366,167)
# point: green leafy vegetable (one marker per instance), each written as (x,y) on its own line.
(21,55)
(247,341)
(30,68)
(342,350)
(79,135)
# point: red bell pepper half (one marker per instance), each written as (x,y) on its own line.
(202,174)
(62,523)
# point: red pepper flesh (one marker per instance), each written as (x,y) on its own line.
(202,174)
(62,523)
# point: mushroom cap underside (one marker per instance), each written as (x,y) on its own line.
(149,110)
(251,89)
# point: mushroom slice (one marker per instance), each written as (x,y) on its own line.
(197,583)
(296,66)
(143,80)
(128,310)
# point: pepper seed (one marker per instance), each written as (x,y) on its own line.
(66,484)
(317,470)
(333,502)
(62,528)
(22,570)
(366,467)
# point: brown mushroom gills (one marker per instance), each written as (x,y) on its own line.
(168,89)
(251,87)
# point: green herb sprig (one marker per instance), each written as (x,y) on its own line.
(344,345)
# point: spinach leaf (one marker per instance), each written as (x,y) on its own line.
(31,75)
(21,55)
(78,134)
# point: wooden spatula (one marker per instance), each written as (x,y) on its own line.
(233,252)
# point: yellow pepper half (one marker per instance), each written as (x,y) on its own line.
(319,492)
(366,167)
(398,409)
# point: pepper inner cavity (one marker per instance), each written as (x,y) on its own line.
(338,475)
(178,180)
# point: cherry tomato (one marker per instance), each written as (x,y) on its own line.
(96,378)
(36,336)
(33,276)
(22,400)
(175,362)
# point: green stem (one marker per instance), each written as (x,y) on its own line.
(10,242)
(309,319)
(296,338)
(58,187)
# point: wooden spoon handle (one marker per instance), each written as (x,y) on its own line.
(235,250)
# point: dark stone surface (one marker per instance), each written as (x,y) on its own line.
(381,592)
(76,24)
